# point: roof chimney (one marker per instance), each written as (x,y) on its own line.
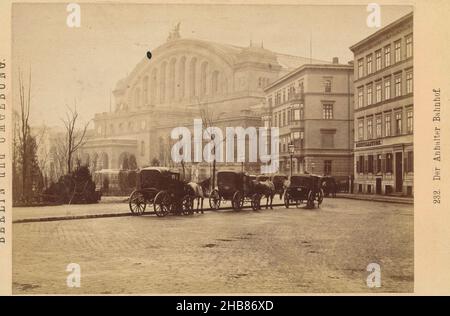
(335,60)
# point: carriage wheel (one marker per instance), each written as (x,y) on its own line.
(237,200)
(137,203)
(320,197)
(187,205)
(161,204)
(286,200)
(256,201)
(310,201)
(214,200)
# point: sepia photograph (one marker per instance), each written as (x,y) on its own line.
(212,148)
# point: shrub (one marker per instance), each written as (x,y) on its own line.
(75,188)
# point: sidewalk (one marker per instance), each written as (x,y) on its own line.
(107,208)
(118,206)
(377,198)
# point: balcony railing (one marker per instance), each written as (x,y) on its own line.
(299,96)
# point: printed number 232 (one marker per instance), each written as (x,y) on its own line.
(436,196)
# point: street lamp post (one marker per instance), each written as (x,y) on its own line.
(291,154)
(267,119)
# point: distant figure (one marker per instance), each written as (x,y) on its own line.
(329,186)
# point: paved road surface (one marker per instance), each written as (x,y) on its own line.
(269,251)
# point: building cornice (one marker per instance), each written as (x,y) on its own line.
(304,68)
(110,142)
(382,32)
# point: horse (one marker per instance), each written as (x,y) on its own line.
(278,181)
(267,189)
(199,192)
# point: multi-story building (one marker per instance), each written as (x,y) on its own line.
(313,108)
(383,113)
(184,79)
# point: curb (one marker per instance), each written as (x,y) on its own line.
(105,215)
(70,217)
(376,199)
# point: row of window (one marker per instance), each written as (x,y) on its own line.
(286,116)
(380,125)
(297,139)
(384,89)
(382,163)
(382,58)
(288,93)
(326,167)
(292,92)
(130,127)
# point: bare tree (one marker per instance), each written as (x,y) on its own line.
(17,187)
(43,153)
(75,137)
(59,155)
(208,120)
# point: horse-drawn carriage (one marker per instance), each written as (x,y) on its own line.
(163,189)
(237,187)
(303,188)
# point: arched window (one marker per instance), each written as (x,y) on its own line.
(203,74)
(104,161)
(192,76)
(153,86)
(142,148)
(181,77)
(215,82)
(86,160)
(172,79)
(162,85)
(145,87)
(225,86)
(94,162)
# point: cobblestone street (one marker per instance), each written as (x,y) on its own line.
(269,251)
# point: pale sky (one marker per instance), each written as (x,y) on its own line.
(85,63)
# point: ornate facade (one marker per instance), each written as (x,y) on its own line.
(384,110)
(312,107)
